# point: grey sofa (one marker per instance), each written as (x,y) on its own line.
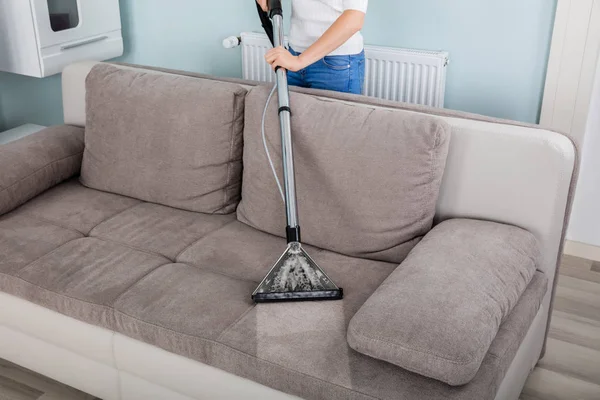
(133,236)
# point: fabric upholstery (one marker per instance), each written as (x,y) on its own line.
(38,162)
(439,313)
(162,138)
(493,128)
(201,308)
(340,373)
(83,278)
(159,229)
(298,348)
(187,300)
(349,97)
(367,179)
(73,206)
(24,239)
(237,250)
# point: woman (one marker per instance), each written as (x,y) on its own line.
(326,46)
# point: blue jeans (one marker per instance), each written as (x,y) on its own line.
(337,73)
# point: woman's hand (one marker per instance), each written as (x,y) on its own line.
(263,4)
(280,57)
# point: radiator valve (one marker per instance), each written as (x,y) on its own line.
(232,42)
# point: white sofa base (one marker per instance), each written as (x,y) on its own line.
(111,366)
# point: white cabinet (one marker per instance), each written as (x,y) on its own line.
(40,37)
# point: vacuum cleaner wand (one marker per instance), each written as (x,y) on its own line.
(295,276)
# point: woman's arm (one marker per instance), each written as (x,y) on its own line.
(350,22)
(263,4)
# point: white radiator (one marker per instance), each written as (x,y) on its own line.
(410,76)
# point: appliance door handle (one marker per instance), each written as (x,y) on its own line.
(83,43)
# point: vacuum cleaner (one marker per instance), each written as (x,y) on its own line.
(295,276)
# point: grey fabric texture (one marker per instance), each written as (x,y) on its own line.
(76,207)
(200,306)
(159,229)
(340,373)
(165,139)
(23,239)
(439,313)
(367,180)
(355,98)
(145,286)
(297,348)
(83,277)
(182,306)
(38,162)
(429,111)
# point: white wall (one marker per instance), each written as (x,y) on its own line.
(585,222)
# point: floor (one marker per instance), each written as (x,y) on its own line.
(571,367)
(570,370)
(17,383)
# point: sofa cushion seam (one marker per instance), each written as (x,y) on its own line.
(215,342)
(33,215)
(134,248)
(66,296)
(217,272)
(231,146)
(45,255)
(38,170)
(234,323)
(406,348)
(201,239)
(57,293)
(114,216)
(141,278)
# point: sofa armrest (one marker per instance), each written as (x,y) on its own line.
(36,163)
(439,311)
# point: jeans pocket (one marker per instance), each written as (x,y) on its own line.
(337,63)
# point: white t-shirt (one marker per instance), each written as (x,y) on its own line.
(312,18)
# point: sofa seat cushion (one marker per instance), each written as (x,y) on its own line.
(159,229)
(367,179)
(177,302)
(24,239)
(298,348)
(83,278)
(164,138)
(440,312)
(75,207)
(201,309)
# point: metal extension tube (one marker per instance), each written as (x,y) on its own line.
(289,173)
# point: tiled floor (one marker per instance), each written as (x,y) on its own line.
(570,370)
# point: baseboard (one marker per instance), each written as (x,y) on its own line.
(582,250)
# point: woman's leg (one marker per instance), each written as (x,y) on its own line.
(295,79)
(357,73)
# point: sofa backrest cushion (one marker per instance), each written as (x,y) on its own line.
(164,138)
(367,180)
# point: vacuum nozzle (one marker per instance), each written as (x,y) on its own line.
(296,277)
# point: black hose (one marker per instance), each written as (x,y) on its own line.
(266,23)
(275,8)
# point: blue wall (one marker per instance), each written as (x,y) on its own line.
(498,49)
(2,122)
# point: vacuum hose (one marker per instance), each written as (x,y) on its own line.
(266,22)
(265,18)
